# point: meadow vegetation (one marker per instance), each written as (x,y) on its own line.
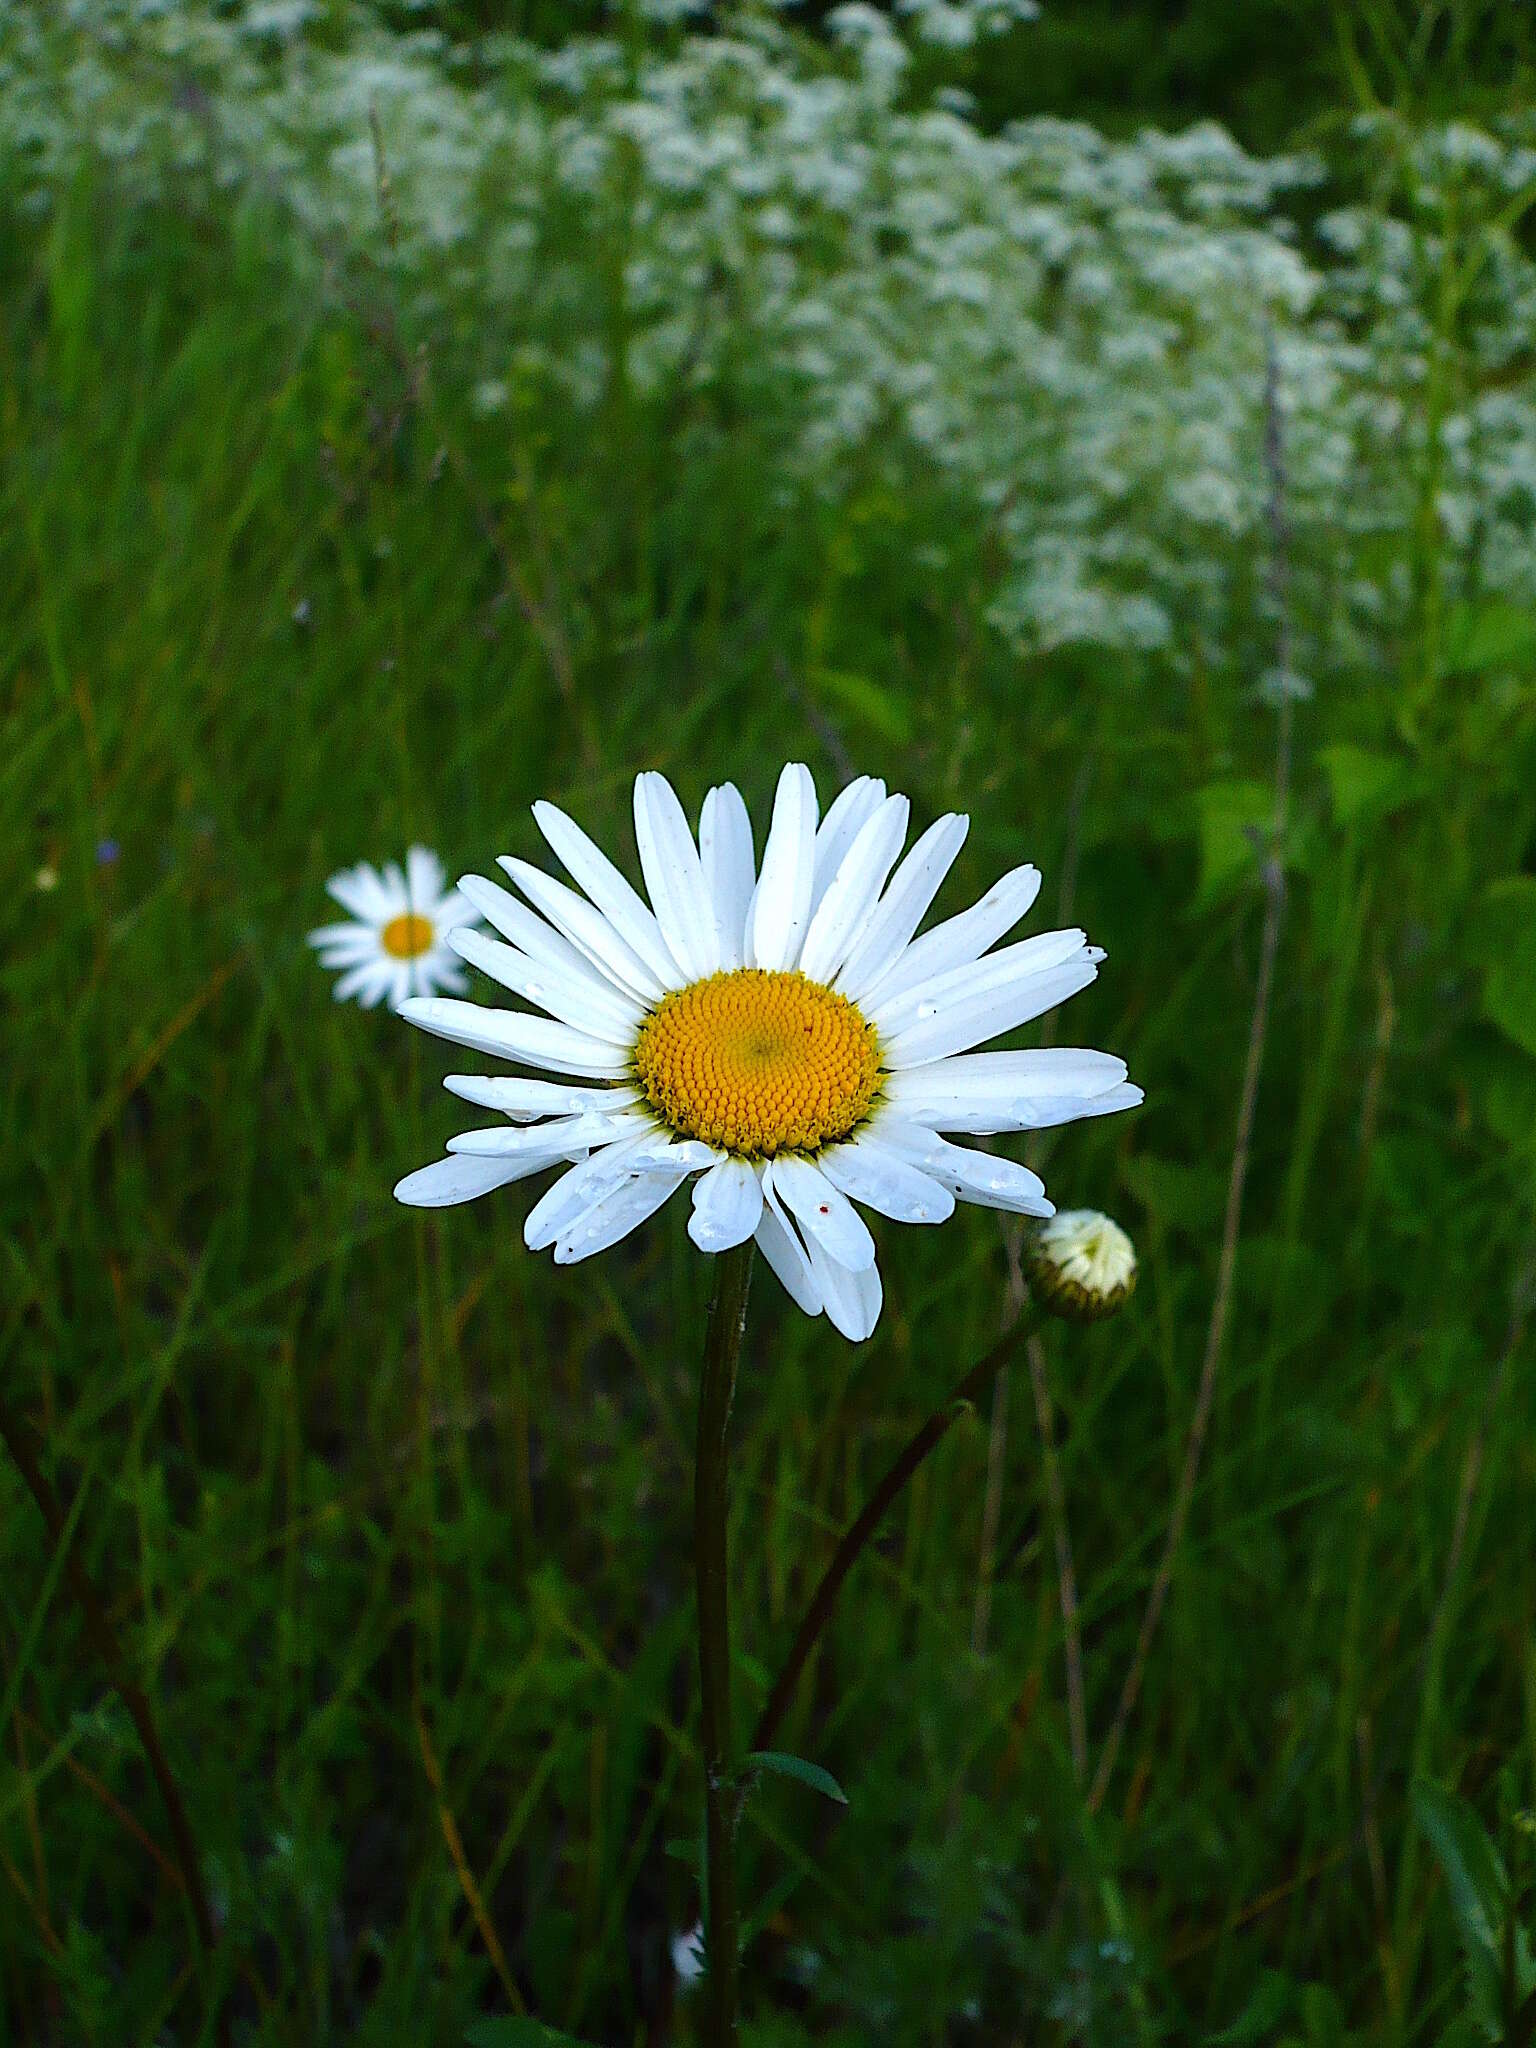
(409,412)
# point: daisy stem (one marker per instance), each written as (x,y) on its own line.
(722,1795)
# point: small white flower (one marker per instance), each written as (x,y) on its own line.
(1082,1264)
(395,944)
(688,1962)
(774,1028)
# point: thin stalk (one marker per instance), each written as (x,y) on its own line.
(98,1627)
(918,1446)
(722,1794)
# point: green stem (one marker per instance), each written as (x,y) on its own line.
(918,1445)
(722,1798)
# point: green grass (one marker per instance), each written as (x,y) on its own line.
(375,1497)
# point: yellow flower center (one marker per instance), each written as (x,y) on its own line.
(406,935)
(758,1062)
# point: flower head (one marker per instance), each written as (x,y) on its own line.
(1082,1265)
(395,943)
(774,1028)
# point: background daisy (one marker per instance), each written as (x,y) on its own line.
(394,945)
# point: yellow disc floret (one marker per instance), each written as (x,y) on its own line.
(407,935)
(759,1063)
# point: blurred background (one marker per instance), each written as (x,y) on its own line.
(1117,423)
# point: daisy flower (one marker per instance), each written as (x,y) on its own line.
(395,943)
(778,1034)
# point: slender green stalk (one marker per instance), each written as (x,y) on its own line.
(859,1532)
(722,1795)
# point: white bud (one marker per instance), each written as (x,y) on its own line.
(1082,1265)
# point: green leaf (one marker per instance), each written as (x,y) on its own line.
(1479,1889)
(1502,937)
(862,698)
(1232,822)
(783,1765)
(1488,634)
(1363,785)
(512,2032)
(1273,1998)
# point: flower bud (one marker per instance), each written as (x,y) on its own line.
(1081,1265)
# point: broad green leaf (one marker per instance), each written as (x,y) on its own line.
(783,1765)
(1362,784)
(1488,634)
(1232,822)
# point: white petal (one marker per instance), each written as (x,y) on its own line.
(958,1021)
(781,1247)
(456,1179)
(525,929)
(854,890)
(437,970)
(363,892)
(882,1180)
(349,934)
(980,1177)
(352,955)
(824,1212)
(510,1035)
(674,877)
(622,904)
(581,999)
(574,1192)
(961,938)
(614,1215)
(524,1100)
(727,1203)
(850,810)
(423,880)
(904,905)
(730,870)
(852,1300)
(892,1015)
(1113,1100)
(453,910)
(367,981)
(565,1137)
(589,931)
(781,904)
(985,1092)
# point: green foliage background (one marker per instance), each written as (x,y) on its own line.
(394,1516)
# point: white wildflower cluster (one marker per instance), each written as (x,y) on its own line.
(1066,337)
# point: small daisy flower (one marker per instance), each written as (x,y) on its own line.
(777,1033)
(395,943)
(1082,1265)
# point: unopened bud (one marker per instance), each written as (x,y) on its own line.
(1082,1265)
